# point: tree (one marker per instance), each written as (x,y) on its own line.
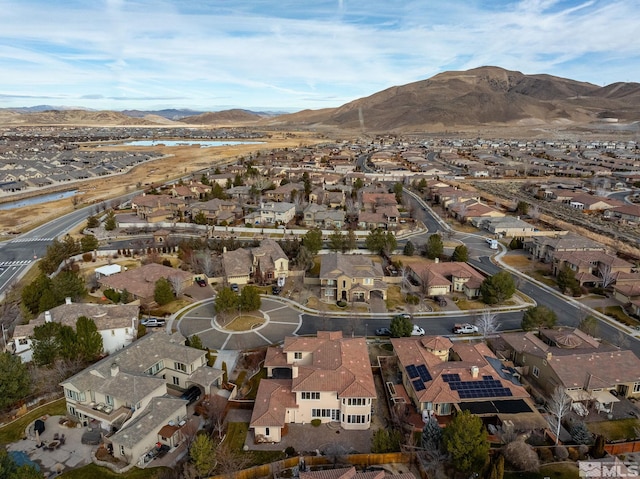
(93,222)
(67,342)
(230,459)
(487,323)
(304,258)
(432,435)
(312,241)
(397,190)
(409,249)
(385,440)
(522,456)
(558,405)
(203,455)
(515,243)
(606,274)
(378,241)
(163,293)
(88,339)
(177,284)
(581,434)
(9,469)
(434,246)
(497,288)
(45,344)
(566,279)
(250,299)
(110,222)
(32,293)
(336,241)
(589,325)
(460,253)
(522,208)
(538,317)
(200,218)
(350,242)
(401,326)
(89,243)
(15,382)
(194,341)
(67,284)
(226,300)
(465,439)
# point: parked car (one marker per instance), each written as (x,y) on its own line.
(235,288)
(201,282)
(417,331)
(275,290)
(403,315)
(192,394)
(465,329)
(383,332)
(153,322)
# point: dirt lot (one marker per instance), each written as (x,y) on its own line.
(178,162)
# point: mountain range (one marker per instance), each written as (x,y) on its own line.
(482,97)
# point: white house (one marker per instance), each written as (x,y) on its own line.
(271,212)
(116,323)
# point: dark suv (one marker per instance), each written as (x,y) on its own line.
(192,394)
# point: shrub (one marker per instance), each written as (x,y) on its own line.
(342,303)
(561,453)
(521,456)
(112,295)
(290,451)
(412,299)
(316,422)
(86,257)
(583,449)
(545,454)
(573,454)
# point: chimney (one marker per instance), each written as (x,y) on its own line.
(115,369)
(474,372)
(47,317)
(436,260)
(67,300)
(549,355)
(294,371)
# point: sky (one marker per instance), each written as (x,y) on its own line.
(290,55)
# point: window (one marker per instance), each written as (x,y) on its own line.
(297,355)
(180,367)
(356,401)
(356,419)
(109,400)
(121,450)
(310,395)
(636,387)
(176,381)
(74,395)
(324,413)
(367,281)
(266,431)
(536,371)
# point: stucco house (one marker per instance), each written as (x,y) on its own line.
(116,323)
(544,248)
(270,213)
(441,279)
(350,278)
(126,396)
(263,264)
(327,377)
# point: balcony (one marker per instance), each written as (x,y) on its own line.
(101,411)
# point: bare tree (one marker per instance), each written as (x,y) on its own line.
(487,323)
(204,263)
(230,460)
(214,409)
(534,211)
(177,284)
(606,275)
(405,284)
(558,405)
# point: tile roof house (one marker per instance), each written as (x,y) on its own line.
(570,358)
(448,277)
(262,264)
(350,278)
(440,377)
(327,377)
(270,213)
(125,395)
(116,323)
(591,267)
(543,248)
(141,282)
(216,210)
(351,473)
(323,217)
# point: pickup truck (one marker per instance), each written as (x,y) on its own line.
(153,322)
(465,329)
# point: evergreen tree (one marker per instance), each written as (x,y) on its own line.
(432,435)
(409,249)
(226,301)
(250,299)
(93,222)
(163,292)
(538,317)
(89,340)
(45,345)
(89,243)
(385,440)
(581,434)
(460,253)
(497,288)
(15,382)
(401,327)
(110,222)
(336,241)
(312,241)
(465,439)
(434,246)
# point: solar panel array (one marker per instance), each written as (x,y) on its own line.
(424,373)
(486,388)
(412,371)
(447,378)
(418,375)
(418,385)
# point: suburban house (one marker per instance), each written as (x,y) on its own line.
(507,226)
(440,377)
(625,214)
(284,192)
(445,278)
(327,377)
(544,248)
(141,282)
(351,473)
(217,211)
(116,323)
(323,217)
(126,395)
(263,264)
(270,213)
(586,368)
(154,208)
(350,278)
(592,268)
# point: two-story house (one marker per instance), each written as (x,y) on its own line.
(270,213)
(350,278)
(544,248)
(445,278)
(116,323)
(264,264)
(128,389)
(327,377)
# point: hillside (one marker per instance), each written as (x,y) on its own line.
(71,117)
(486,96)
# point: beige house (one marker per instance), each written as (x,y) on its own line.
(591,267)
(263,264)
(570,358)
(125,394)
(441,279)
(544,248)
(350,278)
(327,377)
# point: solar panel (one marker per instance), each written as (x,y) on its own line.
(448,378)
(487,378)
(412,371)
(486,388)
(424,373)
(418,385)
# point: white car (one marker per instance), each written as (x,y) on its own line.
(417,331)
(465,329)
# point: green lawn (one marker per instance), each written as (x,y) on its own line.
(615,430)
(565,470)
(15,431)
(91,470)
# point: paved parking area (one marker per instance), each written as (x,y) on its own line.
(280,320)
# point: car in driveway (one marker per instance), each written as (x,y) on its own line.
(383,332)
(417,331)
(235,288)
(276,290)
(201,282)
(153,322)
(191,395)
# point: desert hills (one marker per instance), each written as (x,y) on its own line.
(485,96)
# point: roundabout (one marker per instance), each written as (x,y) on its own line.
(271,324)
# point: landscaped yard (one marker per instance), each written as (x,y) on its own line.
(617,313)
(245,322)
(236,435)
(91,470)
(615,430)
(15,431)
